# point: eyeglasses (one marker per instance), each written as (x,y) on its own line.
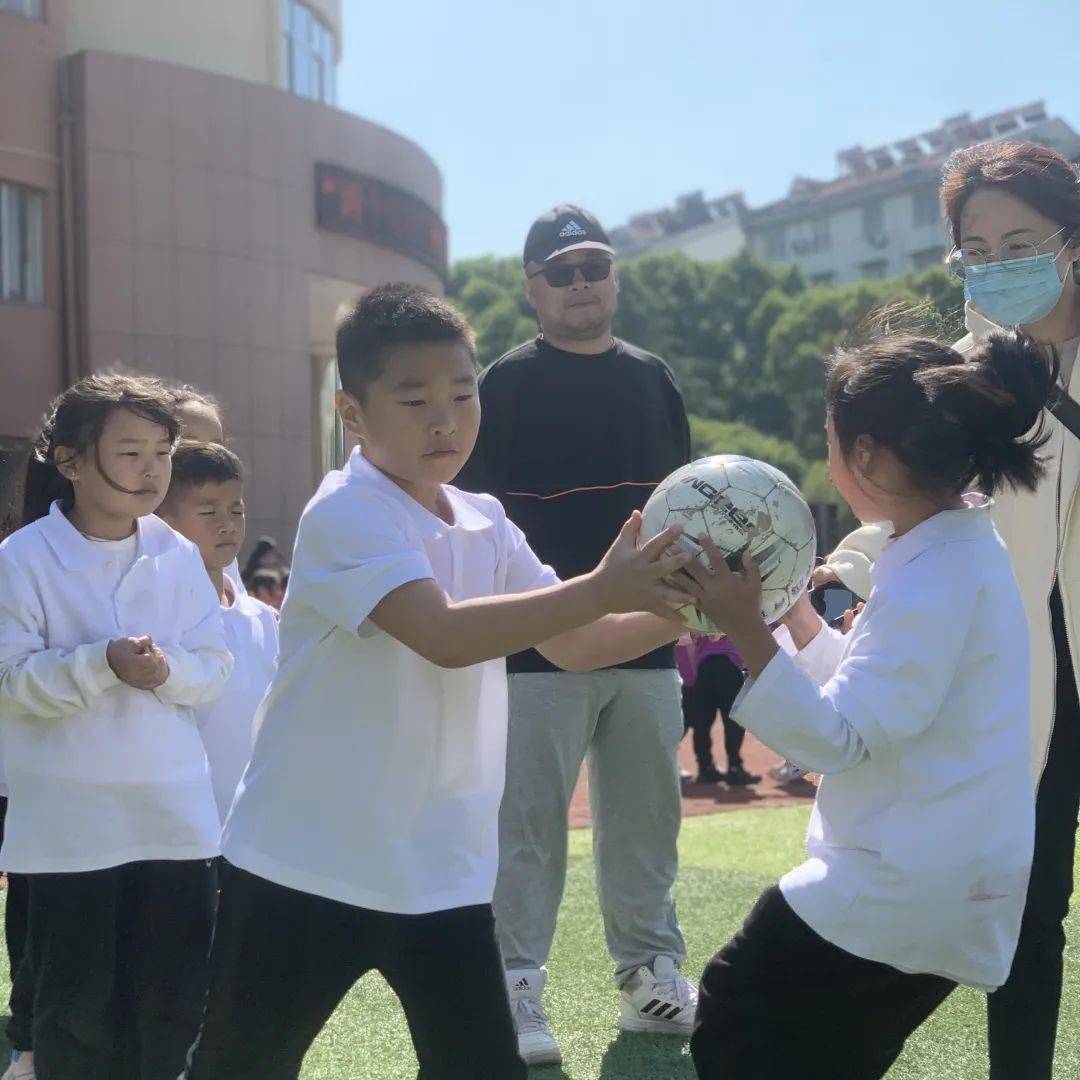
(562,275)
(963,257)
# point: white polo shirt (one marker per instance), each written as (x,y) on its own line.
(921,836)
(376,776)
(100,773)
(226,726)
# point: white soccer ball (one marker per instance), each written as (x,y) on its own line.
(743,505)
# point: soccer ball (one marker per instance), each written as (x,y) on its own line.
(743,505)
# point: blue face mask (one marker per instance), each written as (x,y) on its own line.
(1016,292)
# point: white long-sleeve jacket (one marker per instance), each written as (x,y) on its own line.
(921,836)
(100,773)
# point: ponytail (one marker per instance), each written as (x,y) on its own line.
(952,421)
(998,396)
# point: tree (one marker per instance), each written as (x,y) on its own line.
(746,339)
(723,437)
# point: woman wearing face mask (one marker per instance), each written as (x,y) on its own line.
(1013,211)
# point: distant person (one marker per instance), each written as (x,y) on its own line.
(712,676)
(199,413)
(201,419)
(267,587)
(579,427)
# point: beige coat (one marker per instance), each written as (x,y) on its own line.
(1042,533)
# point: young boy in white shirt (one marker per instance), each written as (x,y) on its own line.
(205,503)
(364,833)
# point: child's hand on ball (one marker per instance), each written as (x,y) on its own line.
(732,601)
(630,578)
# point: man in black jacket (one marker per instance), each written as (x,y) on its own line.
(578,429)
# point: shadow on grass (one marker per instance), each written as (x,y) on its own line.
(647,1057)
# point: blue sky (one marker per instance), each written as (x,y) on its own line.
(624,104)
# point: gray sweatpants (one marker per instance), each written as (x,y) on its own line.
(628,724)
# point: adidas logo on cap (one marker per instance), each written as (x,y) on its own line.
(571,228)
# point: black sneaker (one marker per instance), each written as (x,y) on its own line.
(737,776)
(710,775)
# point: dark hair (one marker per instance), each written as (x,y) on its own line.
(396,314)
(76,419)
(264,547)
(1034,174)
(951,420)
(266,579)
(184,394)
(197,463)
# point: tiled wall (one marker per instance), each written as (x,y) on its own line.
(199,243)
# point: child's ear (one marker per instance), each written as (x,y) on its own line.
(863,453)
(352,416)
(67,462)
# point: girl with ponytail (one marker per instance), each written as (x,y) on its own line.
(1013,214)
(110,635)
(921,839)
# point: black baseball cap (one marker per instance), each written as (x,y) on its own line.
(566,227)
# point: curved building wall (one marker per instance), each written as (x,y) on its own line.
(200,247)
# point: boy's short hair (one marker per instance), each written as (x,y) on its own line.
(396,314)
(198,463)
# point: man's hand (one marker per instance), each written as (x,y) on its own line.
(138,662)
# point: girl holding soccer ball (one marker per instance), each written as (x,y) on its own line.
(921,836)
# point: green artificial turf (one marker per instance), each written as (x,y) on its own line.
(726,860)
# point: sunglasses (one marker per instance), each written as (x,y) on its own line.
(559,277)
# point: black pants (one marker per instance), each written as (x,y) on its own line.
(16,915)
(1023,1014)
(119,960)
(282,960)
(780,1001)
(715,689)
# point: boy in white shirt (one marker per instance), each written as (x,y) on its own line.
(364,833)
(205,503)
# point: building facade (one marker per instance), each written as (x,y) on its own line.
(191,203)
(880,217)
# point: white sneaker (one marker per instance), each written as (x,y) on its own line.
(536,1044)
(659,1001)
(787,773)
(21,1067)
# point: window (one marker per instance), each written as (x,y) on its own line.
(331,450)
(21,245)
(873,220)
(29,9)
(879,268)
(309,53)
(925,206)
(923,260)
(814,235)
(775,242)
(821,233)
